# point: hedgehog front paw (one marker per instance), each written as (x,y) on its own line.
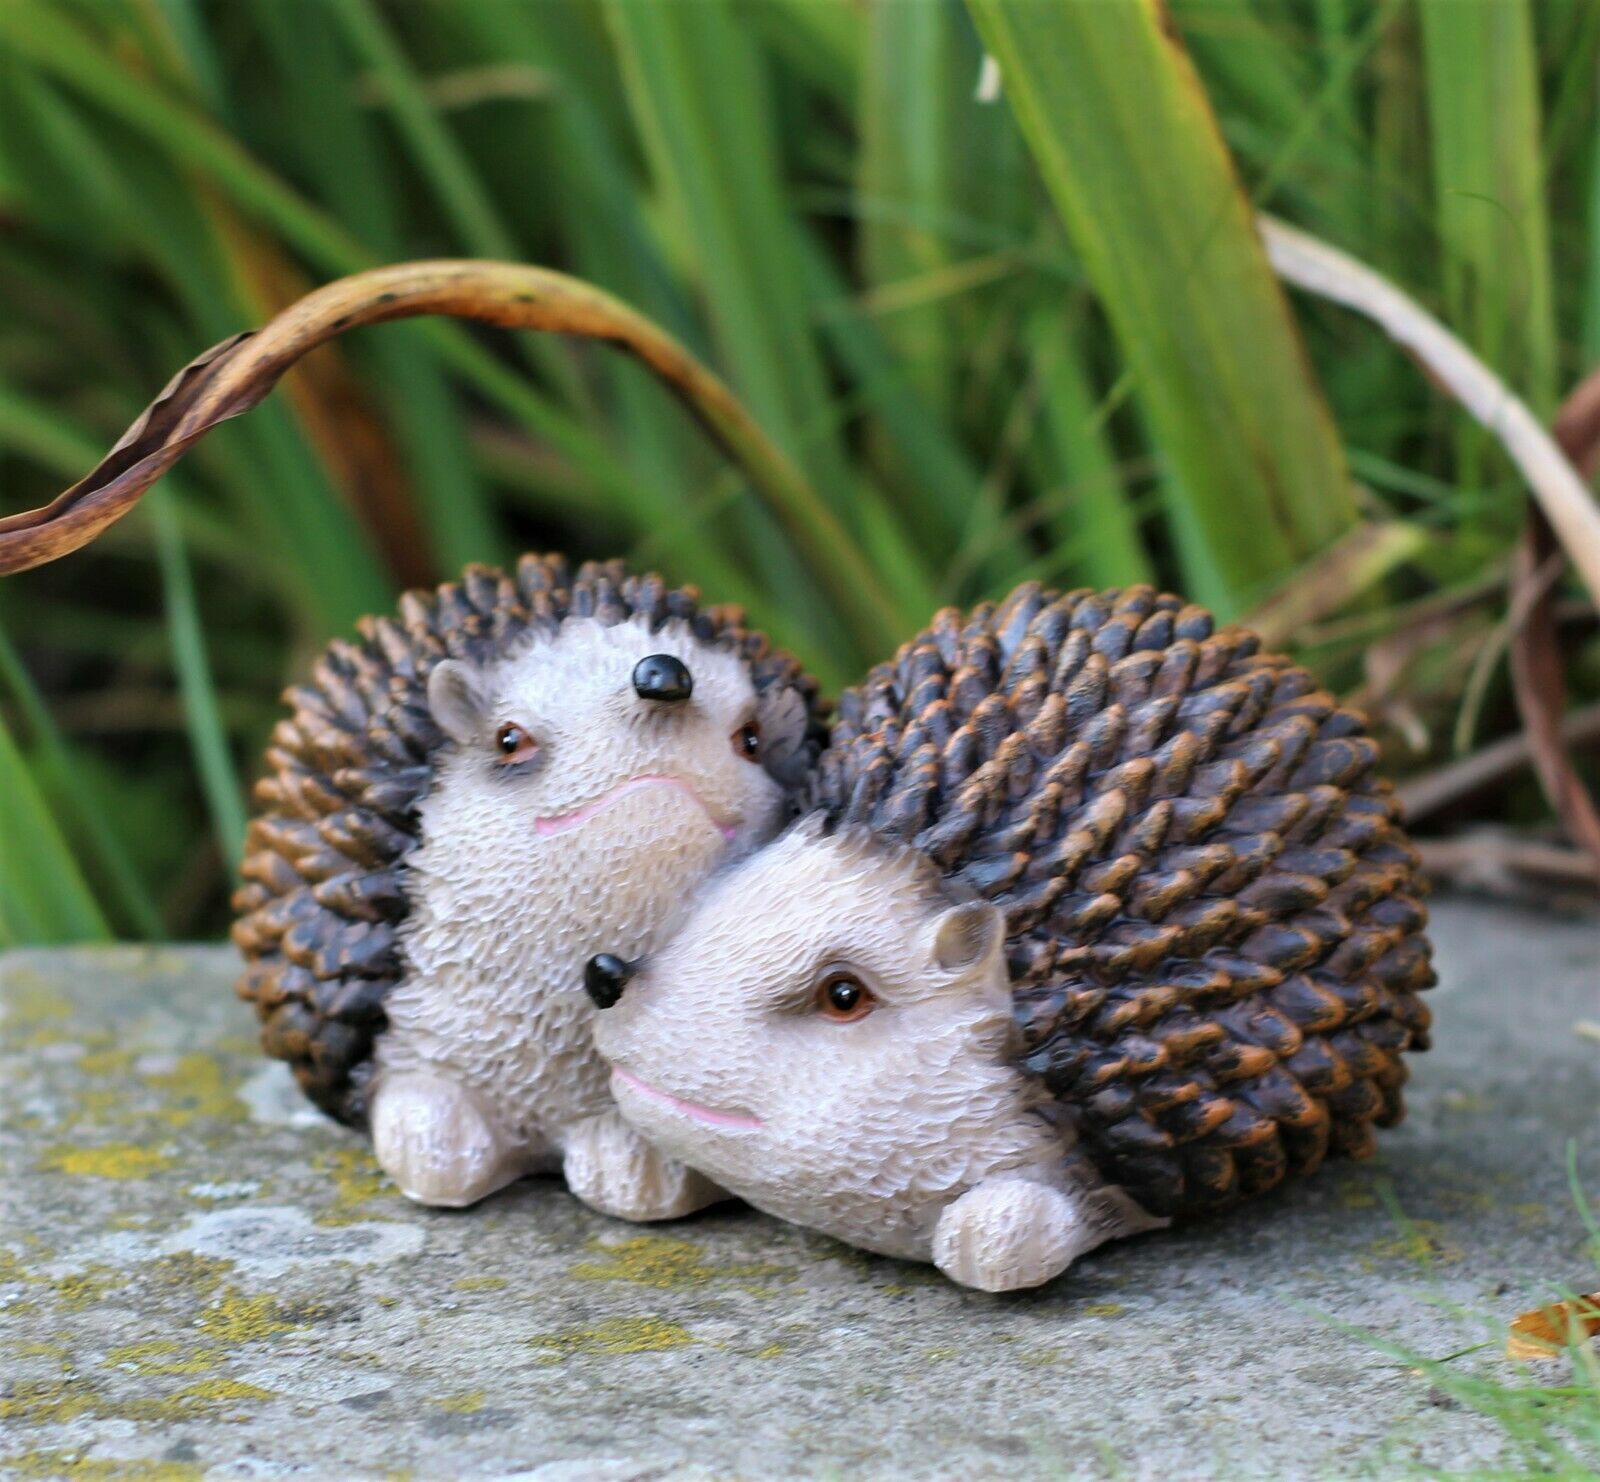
(431,1137)
(612,1169)
(1009,1233)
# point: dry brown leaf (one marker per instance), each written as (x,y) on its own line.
(1546,1331)
(236,375)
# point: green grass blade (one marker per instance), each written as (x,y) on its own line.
(289,491)
(1130,153)
(821,42)
(581,135)
(938,474)
(694,81)
(441,162)
(61,782)
(43,895)
(1488,167)
(929,151)
(1396,226)
(338,148)
(45,38)
(192,39)
(44,435)
(1484,117)
(208,737)
(1091,513)
(695,84)
(445,167)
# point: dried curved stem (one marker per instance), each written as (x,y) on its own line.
(1433,792)
(1538,680)
(1317,268)
(236,375)
(1564,514)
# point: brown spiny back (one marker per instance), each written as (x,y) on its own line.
(1214,918)
(325,880)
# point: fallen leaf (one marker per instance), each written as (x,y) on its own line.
(1544,1332)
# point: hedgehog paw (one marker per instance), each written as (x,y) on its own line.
(612,1169)
(431,1137)
(1009,1233)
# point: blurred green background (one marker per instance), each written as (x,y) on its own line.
(1026,338)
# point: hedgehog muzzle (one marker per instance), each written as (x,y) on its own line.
(605,976)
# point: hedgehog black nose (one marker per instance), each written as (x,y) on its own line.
(663,677)
(605,977)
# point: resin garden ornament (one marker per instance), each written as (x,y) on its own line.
(462,807)
(1092,917)
(1097,917)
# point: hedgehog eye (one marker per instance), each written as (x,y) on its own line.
(747,741)
(514,744)
(844,998)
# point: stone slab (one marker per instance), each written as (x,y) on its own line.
(200,1277)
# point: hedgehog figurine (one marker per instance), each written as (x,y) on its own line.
(461,808)
(1096,917)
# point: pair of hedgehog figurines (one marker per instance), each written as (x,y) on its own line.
(1081,916)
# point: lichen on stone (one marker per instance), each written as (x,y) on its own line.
(237,1318)
(614,1337)
(356,1180)
(123,1160)
(77,1466)
(674,1265)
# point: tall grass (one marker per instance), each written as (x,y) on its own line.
(1026,338)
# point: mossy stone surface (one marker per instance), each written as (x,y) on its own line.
(199,1276)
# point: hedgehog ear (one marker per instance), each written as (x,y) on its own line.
(782,713)
(966,935)
(457,700)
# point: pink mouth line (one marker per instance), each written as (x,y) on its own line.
(559,823)
(711,1117)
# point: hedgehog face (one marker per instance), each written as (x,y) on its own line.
(608,732)
(826,1030)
